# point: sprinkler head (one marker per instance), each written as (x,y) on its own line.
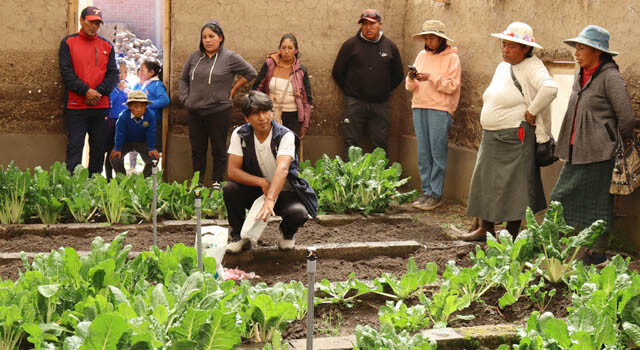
(311,254)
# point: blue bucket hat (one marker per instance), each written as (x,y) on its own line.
(593,36)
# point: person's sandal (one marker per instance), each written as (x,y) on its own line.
(238,246)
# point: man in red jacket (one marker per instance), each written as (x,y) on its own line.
(89,72)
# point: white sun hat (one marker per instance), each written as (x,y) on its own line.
(520,33)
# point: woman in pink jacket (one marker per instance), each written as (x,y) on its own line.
(435,83)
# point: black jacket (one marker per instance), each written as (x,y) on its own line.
(250,163)
(367,70)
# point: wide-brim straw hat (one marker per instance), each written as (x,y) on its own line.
(137,96)
(431,26)
(518,32)
(593,36)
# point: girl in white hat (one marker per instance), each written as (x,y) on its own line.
(435,84)
(515,115)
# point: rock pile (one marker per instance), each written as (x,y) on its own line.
(135,50)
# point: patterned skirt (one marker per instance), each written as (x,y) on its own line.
(583,190)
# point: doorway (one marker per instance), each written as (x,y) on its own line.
(135,37)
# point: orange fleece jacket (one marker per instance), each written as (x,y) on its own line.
(442,90)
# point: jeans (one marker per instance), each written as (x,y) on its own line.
(79,122)
(239,198)
(432,130)
(360,115)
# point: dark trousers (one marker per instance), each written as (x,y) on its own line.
(111,134)
(205,128)
(79,122)
(359,115)
(290,120)
(142,149)
(238,198)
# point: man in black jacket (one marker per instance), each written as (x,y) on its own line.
(367,69)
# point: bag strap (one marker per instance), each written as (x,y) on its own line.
(515,81)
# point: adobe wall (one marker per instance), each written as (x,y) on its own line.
(30,85)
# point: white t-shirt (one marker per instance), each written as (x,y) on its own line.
(266,160)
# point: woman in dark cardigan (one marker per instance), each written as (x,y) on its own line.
(598,106)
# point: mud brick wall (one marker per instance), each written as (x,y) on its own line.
(30,86)
(470,22)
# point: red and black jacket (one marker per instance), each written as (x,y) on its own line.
(87,63)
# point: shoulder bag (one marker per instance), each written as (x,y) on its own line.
(545,152)
(626,172)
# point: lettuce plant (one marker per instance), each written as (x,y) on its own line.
(114,198)
(402,317)
(443,304)
(345,293)
(142,197)
(48,190)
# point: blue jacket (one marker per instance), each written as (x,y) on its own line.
(156,93)
(118,98)
(135,130)
(250,164)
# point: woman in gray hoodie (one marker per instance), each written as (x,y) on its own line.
(206,90)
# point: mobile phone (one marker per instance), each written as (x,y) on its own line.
(412,69)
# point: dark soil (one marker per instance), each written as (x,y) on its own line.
(330,320)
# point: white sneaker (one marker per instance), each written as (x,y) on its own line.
(287,244)
(237,246)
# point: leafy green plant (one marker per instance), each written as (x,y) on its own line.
(411,283)
(344,293)
(114,199)
(181,198)
(81,197)
(367,338)
(538,295)
(402,317)
(14,186)
(560,249)
(515,282)
(276,343)
(443,304)
(142,197)
(268,315)
(48,190)
(363,184)
(213,205)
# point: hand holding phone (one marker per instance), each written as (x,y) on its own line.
(412,72)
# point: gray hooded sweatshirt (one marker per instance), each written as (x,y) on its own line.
(205,82)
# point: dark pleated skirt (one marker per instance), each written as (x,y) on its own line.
(506,179)
(583,190)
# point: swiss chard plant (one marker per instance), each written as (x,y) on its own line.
(364,183)
(411,283)
(48,190)
(114,198)
(443,304)
(559,247)
(345,293)
(402,317)
(81,200)
(367,338)
(142,197)
(14,188)
(181,198)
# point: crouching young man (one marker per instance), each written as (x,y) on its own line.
(263,160)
